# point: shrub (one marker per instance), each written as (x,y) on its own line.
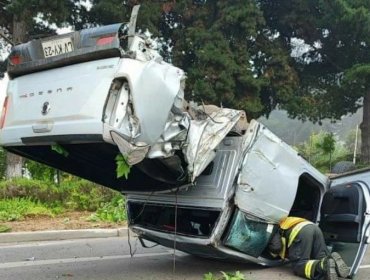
(24,197)
(84,195)
(225,276)
(5,228)
(32,189)
(40,171)
(113,211)
(73,195)
(18,208)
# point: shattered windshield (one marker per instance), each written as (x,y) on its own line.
(248,235)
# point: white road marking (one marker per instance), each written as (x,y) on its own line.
(365,266)
(77,260)
(50,243)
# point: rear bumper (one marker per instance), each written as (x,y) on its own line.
(80,131)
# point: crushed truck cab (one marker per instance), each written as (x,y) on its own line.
(234,208)
(202,178)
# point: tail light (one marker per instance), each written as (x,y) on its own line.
(15,59)
(3,113)
(105,40)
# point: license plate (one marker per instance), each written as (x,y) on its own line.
(57,47)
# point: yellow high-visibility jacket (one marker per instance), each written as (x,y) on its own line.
(294,223)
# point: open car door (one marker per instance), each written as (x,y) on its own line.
(345,217)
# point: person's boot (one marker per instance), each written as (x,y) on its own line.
(330,270)
(340,266)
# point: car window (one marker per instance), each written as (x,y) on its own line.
(248,235)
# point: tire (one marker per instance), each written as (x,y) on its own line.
(342,167)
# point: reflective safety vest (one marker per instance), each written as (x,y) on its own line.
(294,223)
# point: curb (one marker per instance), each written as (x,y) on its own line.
(53,235)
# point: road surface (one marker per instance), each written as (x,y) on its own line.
(110,259)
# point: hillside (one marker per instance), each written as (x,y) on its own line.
(294,131)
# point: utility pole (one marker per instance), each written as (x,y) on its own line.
(355,149)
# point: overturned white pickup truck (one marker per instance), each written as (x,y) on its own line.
(201,176)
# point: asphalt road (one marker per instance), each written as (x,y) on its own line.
(109,258)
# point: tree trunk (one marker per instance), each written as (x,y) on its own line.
(14,163)
(20,28)
(365,131)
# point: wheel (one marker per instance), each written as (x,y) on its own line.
(343,166)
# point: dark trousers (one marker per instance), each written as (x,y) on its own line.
(309,245)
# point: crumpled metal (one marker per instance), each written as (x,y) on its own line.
(157,122)
(204,136)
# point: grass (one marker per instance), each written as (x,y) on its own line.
(21,198)
(15,209)
(74,195)
(113,211)
(225,276)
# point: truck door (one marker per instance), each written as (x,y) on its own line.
(345,220)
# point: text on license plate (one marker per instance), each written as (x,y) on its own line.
(57,47)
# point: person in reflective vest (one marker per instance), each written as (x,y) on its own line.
(302,243)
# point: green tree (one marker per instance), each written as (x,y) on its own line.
(321,150)
(334,65)
(21,20)
(327,146)
(230,55)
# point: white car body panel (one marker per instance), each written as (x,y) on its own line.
(75,93)
(268,180)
